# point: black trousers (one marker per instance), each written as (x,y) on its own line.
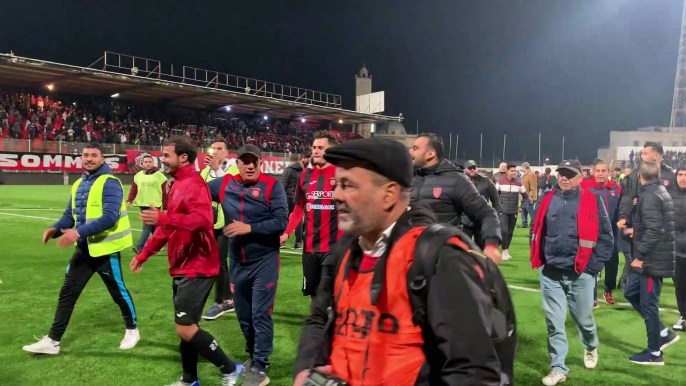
(222,292)
(79,271)
(680,284)
(299,229)
(508,222)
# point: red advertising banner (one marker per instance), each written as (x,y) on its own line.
(54,162)
(134,160)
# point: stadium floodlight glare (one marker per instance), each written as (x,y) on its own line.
(51,86)
(115,95)
(266,117)
(228,108)
(340,121)
(302,120)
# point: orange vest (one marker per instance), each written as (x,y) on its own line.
(377,345)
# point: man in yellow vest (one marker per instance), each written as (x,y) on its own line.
(147,188)
(96,221)
(217,165)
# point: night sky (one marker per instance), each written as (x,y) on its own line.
(578,67)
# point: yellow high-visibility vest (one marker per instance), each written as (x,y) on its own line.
(113,240)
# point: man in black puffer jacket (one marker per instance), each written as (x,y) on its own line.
(442,185)
(487,190)
(653,247)
(678,194)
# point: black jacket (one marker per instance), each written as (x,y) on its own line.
(631,189)
(290,179)
(487,190)
(679,201)
(449,193)
(654,231)
(459,311)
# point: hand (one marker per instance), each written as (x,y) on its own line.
(493,253)
(638,264)
(48,234)
(237,228)
(283,239)
(212,162)
(302,377)
(635,201)
(151,216)
(519,210)
(128,204)
(136,265)
(69,237)
(629,232)
(621,224)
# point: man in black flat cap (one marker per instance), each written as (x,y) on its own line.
(361,315)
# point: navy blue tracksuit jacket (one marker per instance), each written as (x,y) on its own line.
(254,257)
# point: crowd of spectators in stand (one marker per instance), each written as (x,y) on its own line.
(85,119)
(675,159)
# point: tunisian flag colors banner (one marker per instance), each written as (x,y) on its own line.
(134,158)
(54,162)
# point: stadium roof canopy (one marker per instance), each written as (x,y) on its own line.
(142,80)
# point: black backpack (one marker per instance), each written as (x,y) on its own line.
(427,248)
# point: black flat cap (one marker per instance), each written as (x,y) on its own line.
(250,149)
(387,157)
(572,165)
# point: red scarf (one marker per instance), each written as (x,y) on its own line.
(588,226)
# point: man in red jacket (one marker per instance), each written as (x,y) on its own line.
(193,260)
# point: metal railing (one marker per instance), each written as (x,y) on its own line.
(75,148)
(150,68)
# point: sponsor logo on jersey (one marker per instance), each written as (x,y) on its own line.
(320,195)
(309,207)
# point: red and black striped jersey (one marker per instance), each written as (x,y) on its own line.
(314,198)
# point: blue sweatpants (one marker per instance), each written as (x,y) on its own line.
(254,290)
(643,292)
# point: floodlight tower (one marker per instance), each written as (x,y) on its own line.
(678,118)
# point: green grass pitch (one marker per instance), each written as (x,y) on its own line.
(32,274)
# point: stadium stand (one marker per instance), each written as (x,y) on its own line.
(38,117)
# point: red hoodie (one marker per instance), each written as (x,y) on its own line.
(187,228)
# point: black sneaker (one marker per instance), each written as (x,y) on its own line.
(647,358)
(298,245)
(668,340)
(254,377)
(137,250)
(680,325)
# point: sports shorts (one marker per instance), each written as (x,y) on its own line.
(190,295)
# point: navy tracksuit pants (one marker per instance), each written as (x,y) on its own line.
(643,292)
(611,270)
(254,290)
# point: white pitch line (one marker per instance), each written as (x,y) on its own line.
(527,289)
(30,209)
(42,218)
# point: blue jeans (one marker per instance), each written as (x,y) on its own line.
(559,289)
(528,212)
(146,232)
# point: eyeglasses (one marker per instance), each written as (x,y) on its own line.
(472,168)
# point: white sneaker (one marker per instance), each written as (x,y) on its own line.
(180,382)
(680,325)
(554,378)
(591,359)
(45,345)
(130,340)
(506,255)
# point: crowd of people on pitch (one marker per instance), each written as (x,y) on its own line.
(88,119)
(674,159)
(400,259)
